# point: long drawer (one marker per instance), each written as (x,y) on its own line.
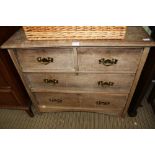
(112,83)
(112,103)
(46,59)
(111,60)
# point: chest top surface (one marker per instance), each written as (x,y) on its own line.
(135,37)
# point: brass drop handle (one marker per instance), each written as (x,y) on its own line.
(108,62)
(57,100)
(45,61)
(102,103)
(105,84)
(51,81)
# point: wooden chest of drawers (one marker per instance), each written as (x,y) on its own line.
(96,76)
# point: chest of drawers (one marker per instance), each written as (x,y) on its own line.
(96,75)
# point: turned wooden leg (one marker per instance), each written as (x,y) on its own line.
(151,95)
(30,112)
(132,113)
(151,98)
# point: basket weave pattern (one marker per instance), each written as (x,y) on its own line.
(74,32)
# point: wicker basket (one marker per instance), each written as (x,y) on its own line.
(74,32)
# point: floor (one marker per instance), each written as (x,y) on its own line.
(16,119)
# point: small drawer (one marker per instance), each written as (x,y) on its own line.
(57,99)
(112,60)
(112,83)
(103,101)
(46,59)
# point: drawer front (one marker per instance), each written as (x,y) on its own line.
(103,101)
(46,59)
(57,99)
(111,60)
(108,104)
(97,82)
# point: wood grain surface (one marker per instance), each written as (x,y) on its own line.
(96,82)
(127,59)
(57,99)
(134,38)
(94,75)
(30,59)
